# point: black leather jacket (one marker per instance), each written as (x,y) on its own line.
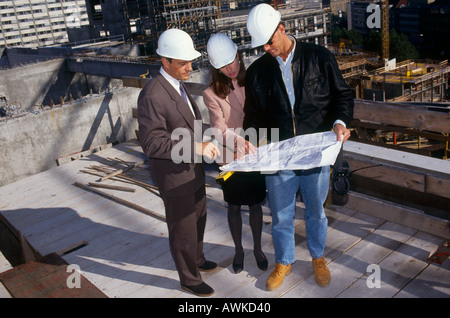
(321,94)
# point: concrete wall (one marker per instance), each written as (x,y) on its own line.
(30,144)
(32,86)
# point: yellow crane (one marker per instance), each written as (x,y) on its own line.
(385,29)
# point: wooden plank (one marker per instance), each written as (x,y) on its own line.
(122,258)
(402,115)
(352,265)
(111,187)
(389,174)
(4,263)
(399,176)
(433,281)
(167,286)
(408,131)
(84,229)
(218,247)
(119,171)
(398,214)
(46,278)
(397,158)
(104,245)
(79,225)
(437,185)
(152,269)
(398,269)
(37,220)
(138,82)
(237,284)
(4,292)
(122,201)
(344,235)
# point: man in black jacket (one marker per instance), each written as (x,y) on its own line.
(298,89)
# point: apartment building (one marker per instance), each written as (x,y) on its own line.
(34,23)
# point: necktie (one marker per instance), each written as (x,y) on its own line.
(183,93)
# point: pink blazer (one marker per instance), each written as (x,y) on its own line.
(223,114)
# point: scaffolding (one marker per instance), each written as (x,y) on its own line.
(196,17)
(306,21)
(410,80)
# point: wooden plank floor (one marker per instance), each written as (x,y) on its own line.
(125,252)
(4,266)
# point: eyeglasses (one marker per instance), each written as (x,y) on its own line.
(270,42)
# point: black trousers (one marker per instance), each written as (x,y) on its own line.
(186,221)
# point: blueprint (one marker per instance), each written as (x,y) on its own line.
(300,152)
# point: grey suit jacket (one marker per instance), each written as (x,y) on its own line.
(161,110)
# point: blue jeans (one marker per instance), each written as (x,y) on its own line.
(282,189)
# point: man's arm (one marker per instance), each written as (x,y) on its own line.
(153,134)
(254,114)
(342,100)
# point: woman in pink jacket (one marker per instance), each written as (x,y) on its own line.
(225,101)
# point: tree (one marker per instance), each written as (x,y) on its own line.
(399,46)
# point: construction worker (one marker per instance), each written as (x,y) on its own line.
(164,106)
(297,88)
(224,99)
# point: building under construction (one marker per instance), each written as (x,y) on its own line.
(201,18)
(410,80)
(406,81)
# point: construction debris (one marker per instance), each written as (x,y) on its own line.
(123,171)
(120,170)
(121,201)
(440,253)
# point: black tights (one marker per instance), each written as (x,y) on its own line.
(235,223)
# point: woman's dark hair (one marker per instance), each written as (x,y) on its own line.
(221,84)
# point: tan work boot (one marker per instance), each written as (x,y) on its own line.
(275,279)
(322,272)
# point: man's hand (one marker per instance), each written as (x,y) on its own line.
(342,132)
(207,149)
(243,147)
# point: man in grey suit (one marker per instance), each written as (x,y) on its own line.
(165,108)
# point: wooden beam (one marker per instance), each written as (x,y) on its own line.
(388,174)
(112,187)
(399,214)
(397,158)
(408,131)
(415,117)
(122,201)
(119,171)
(138,82)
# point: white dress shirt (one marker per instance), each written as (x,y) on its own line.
(286,72)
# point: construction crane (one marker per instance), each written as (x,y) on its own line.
(219,9)
(385,29)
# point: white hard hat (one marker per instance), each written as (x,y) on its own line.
(176,44)
(262,22)
(221,50)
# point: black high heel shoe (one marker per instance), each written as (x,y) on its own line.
(261,260)
(238,265)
